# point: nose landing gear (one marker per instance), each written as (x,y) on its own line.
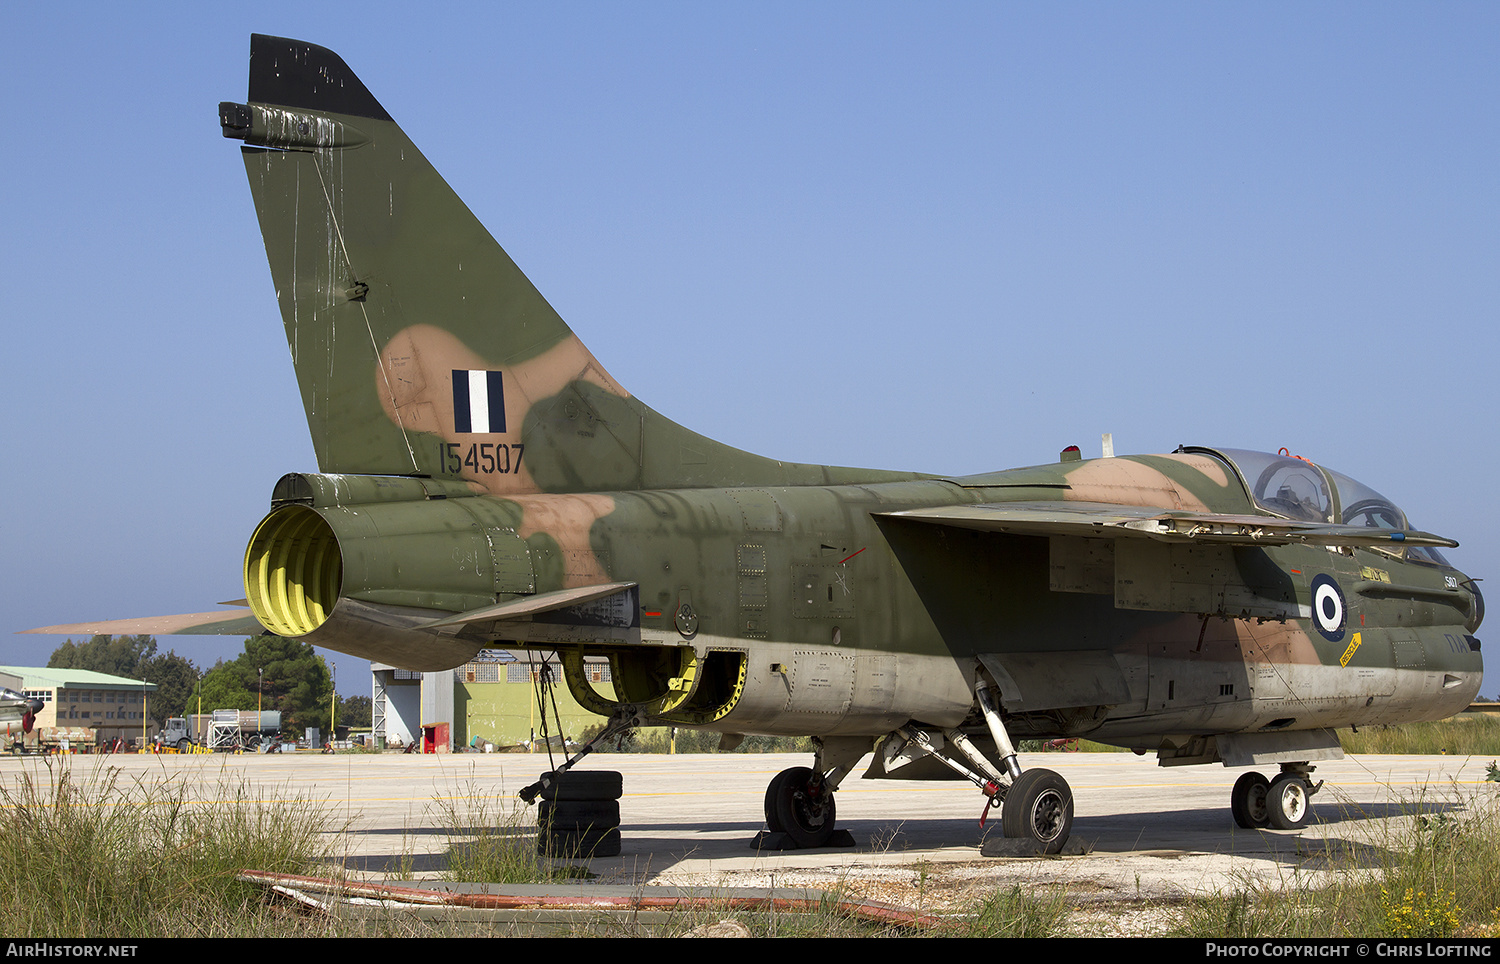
(1283,803)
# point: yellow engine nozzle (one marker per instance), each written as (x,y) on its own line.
(293,571)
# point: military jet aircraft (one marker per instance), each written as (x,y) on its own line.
(19,708)
(484,482)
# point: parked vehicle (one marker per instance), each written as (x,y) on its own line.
(224,731)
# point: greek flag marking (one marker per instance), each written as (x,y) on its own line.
(478,402)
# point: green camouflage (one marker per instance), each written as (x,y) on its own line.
(484,482)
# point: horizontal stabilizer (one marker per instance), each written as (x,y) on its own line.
(529,606)
(234,622)
(1106,521)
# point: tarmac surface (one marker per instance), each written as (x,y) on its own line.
(689,820)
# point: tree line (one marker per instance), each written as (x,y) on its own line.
(271,674)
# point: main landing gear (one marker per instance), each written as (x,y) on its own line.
(1036,805)
(800,809)
(1283,803)
(1039,806)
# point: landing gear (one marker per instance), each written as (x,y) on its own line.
(801,807)
(1287,801)
(800,810)
(774,793)
(1247,801)
(1036,806)
(1039,806)
(1283,803)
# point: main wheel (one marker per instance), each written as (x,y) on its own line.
(1039,805)
(183,744)
(1247,801)
(774,791)
(802,813)
(1287,802)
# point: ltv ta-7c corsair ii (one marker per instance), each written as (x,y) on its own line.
(484,482)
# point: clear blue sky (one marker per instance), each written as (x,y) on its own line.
(946,237)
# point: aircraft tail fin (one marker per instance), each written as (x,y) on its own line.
(420,347)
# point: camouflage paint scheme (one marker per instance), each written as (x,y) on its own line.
(484,482)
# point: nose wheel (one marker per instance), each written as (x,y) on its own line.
(1287,801)
(1247,801)
(1283,803)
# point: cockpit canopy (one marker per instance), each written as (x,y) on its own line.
(1295,488)
(1285,486)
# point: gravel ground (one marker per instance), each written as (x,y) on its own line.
(1094,909)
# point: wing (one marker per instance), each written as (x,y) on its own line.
(1100,520)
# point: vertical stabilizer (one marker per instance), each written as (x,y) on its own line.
(420,347)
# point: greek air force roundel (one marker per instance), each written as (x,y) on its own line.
(1329,609)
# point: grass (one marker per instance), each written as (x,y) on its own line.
(100,857)
(1467,735)
(1436,875)
(89,853)
(492,840)
(1016,912)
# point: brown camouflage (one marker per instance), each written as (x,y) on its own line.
(1147,601)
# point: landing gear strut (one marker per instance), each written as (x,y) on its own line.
(800,809)
(1284,803)
(1036,805)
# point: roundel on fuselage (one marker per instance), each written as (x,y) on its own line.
(1329,608)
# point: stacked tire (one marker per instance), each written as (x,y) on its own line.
(579,814)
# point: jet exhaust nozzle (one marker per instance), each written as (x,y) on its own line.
(293,571)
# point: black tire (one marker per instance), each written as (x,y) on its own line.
(1289,802)
(579,846)
(183,744)
(1039,805)
(1247,801)
(583,785)
(774,791)
(571,815)
(805,815)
